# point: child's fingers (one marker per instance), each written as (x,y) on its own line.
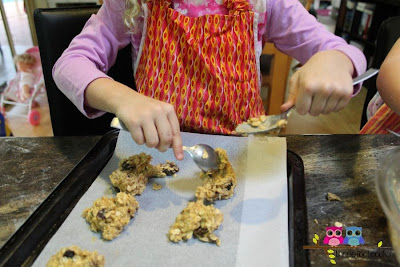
(177,146)
(293,87)
(176,135)
(344,95)
(174,122)
(288,104)
(342,103)
(164,133)
(303,103)
(137,135)
(318,103)
(331,104)
(150,133)
(306,92)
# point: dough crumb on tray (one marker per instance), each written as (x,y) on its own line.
(133,173)
(218,184)
(73,256)
(157,186)
(169,168)
(333,197)
(199,220)
(110,215)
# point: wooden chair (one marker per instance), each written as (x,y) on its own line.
(55,28)
(275,78)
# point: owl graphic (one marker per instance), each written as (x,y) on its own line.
(354,236)
(333,236)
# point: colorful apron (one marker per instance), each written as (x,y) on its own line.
(382,120)
(204,66)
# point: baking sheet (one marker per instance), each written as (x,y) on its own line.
(255,226)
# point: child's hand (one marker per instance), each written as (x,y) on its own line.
(151,122)
(322,85)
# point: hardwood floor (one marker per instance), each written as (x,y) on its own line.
(16,117)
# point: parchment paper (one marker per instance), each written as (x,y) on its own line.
(255,227)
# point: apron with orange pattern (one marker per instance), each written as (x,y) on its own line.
(204,66)
(383,119)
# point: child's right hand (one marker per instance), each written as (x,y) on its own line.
(323,85)
(151,122)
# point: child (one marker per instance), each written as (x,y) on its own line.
(196,65)
(25,63)
(384,108)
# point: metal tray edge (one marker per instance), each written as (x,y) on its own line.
(297,211)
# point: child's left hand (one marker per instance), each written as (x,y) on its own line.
(322,85)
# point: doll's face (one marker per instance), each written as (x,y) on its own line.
(21,66)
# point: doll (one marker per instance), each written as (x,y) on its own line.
(25,66)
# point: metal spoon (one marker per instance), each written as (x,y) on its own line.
(392,132)
(203,155)
(276,122)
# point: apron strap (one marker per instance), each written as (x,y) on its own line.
(384,119)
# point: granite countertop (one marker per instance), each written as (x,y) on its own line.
(341,164)
(30,169)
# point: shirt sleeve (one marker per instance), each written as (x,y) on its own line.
(297,33)
(91,54)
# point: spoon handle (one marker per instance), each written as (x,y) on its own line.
(366,75)
(394,133)
(118,124)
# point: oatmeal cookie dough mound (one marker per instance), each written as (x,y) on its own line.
(130,183)
(218,184)
(73,256)
(110,215)
(199,220)
(133,173)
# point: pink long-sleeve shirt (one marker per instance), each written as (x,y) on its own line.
(283,22)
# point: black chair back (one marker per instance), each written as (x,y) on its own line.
(55,29)
(388,33)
